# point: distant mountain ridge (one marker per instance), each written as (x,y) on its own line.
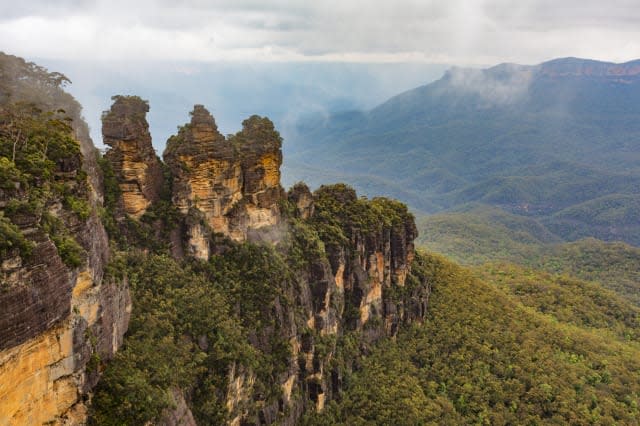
(534,140)
(586,67)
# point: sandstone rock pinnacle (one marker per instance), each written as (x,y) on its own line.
(139,171)
(234,183)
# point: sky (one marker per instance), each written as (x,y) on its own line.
(453,32)
(288,58)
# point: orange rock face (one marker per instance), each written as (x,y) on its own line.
(126,131)
(233,183)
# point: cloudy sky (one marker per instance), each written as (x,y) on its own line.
(286,59)
(461,32)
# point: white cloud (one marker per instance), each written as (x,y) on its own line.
(455,32)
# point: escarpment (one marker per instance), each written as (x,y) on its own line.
(63,315)
(251,305)
(309,279)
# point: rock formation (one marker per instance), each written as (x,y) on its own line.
(259,144)
(207,175)
(62,315)
(301,196)
(126,131)
(356,289)
(233,183)
(352,278)
(231,186)
(363,287)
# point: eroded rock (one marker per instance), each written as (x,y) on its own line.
(138,169)
(234,183)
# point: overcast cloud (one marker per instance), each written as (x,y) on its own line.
(461,32)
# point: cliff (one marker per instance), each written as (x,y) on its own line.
(250,305)
(63,315)
(340,275)
(359,284)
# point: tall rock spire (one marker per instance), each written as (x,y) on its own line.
(139,171)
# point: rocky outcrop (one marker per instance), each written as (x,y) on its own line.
(234,183)
(180,415)
(139,171)
(35,295)
(260,147)
(365,286)
(46,378)
(207,174)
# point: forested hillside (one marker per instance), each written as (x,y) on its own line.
(511,347)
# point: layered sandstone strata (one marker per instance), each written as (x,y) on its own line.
(58,323)
(135,163)
(234,184)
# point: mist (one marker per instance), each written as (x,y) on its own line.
(500,85)
(234,91)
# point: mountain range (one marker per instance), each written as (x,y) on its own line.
(556,142)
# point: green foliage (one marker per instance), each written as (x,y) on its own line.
(133,102)
(110,185)
(176,309)
(37,116)
(11,178)
(79,206)
(488,235)
(302,245)
(257,133)
(70,251)
(21,79)
(38,143)
(340,214)
(389,393)
(163,210)
(251,275)
(566,299)
(191,325)
(483,357)
(614,265)
(482,234)
(39,157)
(12,239)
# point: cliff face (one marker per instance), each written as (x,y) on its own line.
(357,283)
(207,176)
(59,322)
(260,148)
(126,131)
(234,184)
(62,315)
(363,287)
